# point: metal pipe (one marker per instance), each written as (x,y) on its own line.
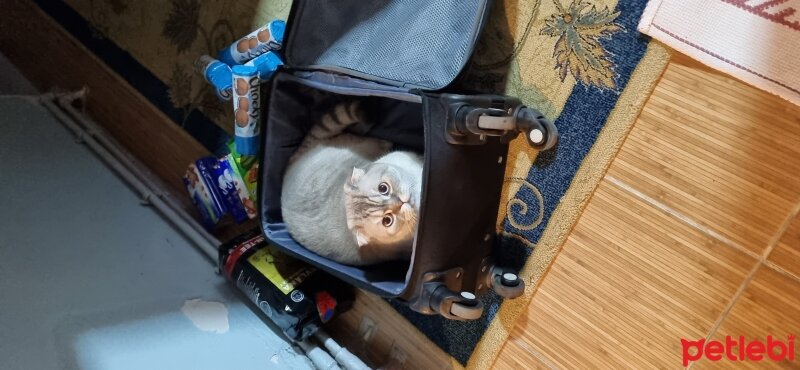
(96,132)
(344,357)
(138,185)
(321,359)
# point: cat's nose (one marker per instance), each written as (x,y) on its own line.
(396,203)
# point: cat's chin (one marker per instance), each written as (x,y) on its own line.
(376,253)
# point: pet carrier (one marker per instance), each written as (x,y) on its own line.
(401,56)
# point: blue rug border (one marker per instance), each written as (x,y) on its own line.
(199,126)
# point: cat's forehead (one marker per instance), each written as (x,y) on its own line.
(377,170)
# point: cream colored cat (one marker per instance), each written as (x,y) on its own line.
(351,198)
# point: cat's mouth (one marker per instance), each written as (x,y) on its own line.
(405,204)
(410,216)
(410,199)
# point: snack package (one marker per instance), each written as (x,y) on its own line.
(250,178)
(269,37)
(203,196)
(246,109)
(297,297)
(217,189)
(266,65)
(218,74)
(234,192)
(248,168)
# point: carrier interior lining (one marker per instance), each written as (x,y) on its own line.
(411,43)
(292,109)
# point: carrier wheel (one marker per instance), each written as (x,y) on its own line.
(543,137)
(467,308)
(508,285)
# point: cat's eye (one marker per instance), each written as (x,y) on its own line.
(384,188)
(388,220)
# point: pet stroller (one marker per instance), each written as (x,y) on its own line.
(400,56)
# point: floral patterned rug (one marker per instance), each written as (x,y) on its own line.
(580,62)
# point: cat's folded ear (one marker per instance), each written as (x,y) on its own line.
(357,173)
(361,239)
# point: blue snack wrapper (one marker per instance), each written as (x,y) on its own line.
(204,196)
(246,109)
(269,37)
(266,65)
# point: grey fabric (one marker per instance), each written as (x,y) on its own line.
(345,85)
(412,43)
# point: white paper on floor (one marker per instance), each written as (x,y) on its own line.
(207,315)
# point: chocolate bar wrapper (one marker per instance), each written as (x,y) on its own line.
(203,196)
(266,65)
(234,191)
(246,109)
(248,168)
(269,37)
(218,74)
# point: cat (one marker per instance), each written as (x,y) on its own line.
(350,198)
